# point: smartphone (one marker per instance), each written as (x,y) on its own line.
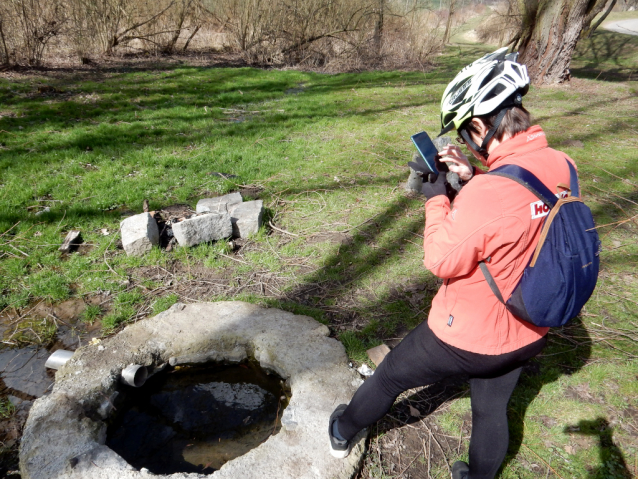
(426,149)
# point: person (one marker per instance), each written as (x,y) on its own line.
(469,332)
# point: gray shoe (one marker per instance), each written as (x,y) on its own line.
(460,470)
(338,448)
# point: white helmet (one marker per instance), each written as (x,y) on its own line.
(493,82)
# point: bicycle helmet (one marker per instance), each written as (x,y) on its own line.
(491,83)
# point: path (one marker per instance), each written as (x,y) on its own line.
(628,27)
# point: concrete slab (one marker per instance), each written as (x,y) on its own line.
(219,204)
(64,437)
(203,228)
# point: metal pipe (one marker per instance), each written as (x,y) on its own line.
(58,359)
(134,375)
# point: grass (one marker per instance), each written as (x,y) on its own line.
(6,408)
(327,154)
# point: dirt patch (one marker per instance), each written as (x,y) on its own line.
(547,421)
(250,192)
(410,442)
(333,238)
(582,393)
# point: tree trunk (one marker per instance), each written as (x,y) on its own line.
(5,57)
(448,25)
(587,32)
(549,33)
(378,28)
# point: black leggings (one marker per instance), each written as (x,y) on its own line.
(422,359)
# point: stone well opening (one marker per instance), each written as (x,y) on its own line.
(72,432)
(195,418)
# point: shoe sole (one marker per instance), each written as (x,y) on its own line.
(339,454)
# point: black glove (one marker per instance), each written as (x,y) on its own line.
(435,186)
(451,183)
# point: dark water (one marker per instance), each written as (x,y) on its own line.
(195,419)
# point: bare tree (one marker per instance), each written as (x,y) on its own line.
(36,23)
(448,25)
(549,32)
(587,32)
(378,27)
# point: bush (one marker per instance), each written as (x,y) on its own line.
(27,27)
(501,26)
(341,34)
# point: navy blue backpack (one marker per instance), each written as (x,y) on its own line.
(562,273)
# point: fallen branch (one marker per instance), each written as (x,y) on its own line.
(281,230)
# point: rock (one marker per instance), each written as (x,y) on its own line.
(139,234)
(64,436)
(441,141)
(246,218)
(73,238)
(415,181)
(221,204)
(203,228)
(378,353)
(42,211)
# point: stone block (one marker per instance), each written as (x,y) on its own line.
(378,353)
(203,228)
(139,234)
(246,218)
(220,204)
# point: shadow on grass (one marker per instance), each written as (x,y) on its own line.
(611,458)
(604,57)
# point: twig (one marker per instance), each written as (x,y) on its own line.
(105,262)
(625,180)
(429,445)
(549,466)
(9,229)
(234,259)
(440,447)
(281,230)
(621,297)
(19,250)
(63,216)
(408,466)
(360,224)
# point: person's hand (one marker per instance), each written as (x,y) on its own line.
(435,186)
(457,162)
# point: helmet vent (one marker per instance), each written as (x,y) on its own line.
(499,88)
(448,118)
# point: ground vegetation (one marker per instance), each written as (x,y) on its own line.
(81,149)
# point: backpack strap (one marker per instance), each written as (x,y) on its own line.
(490,281)
(529,181)
(573,180)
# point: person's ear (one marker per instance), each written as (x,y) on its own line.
(479,126)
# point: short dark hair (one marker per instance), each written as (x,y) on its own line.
(516,120)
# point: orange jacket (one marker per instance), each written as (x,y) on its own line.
(491,217)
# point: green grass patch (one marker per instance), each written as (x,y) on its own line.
(7,409)
(165,302)
(327,154)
